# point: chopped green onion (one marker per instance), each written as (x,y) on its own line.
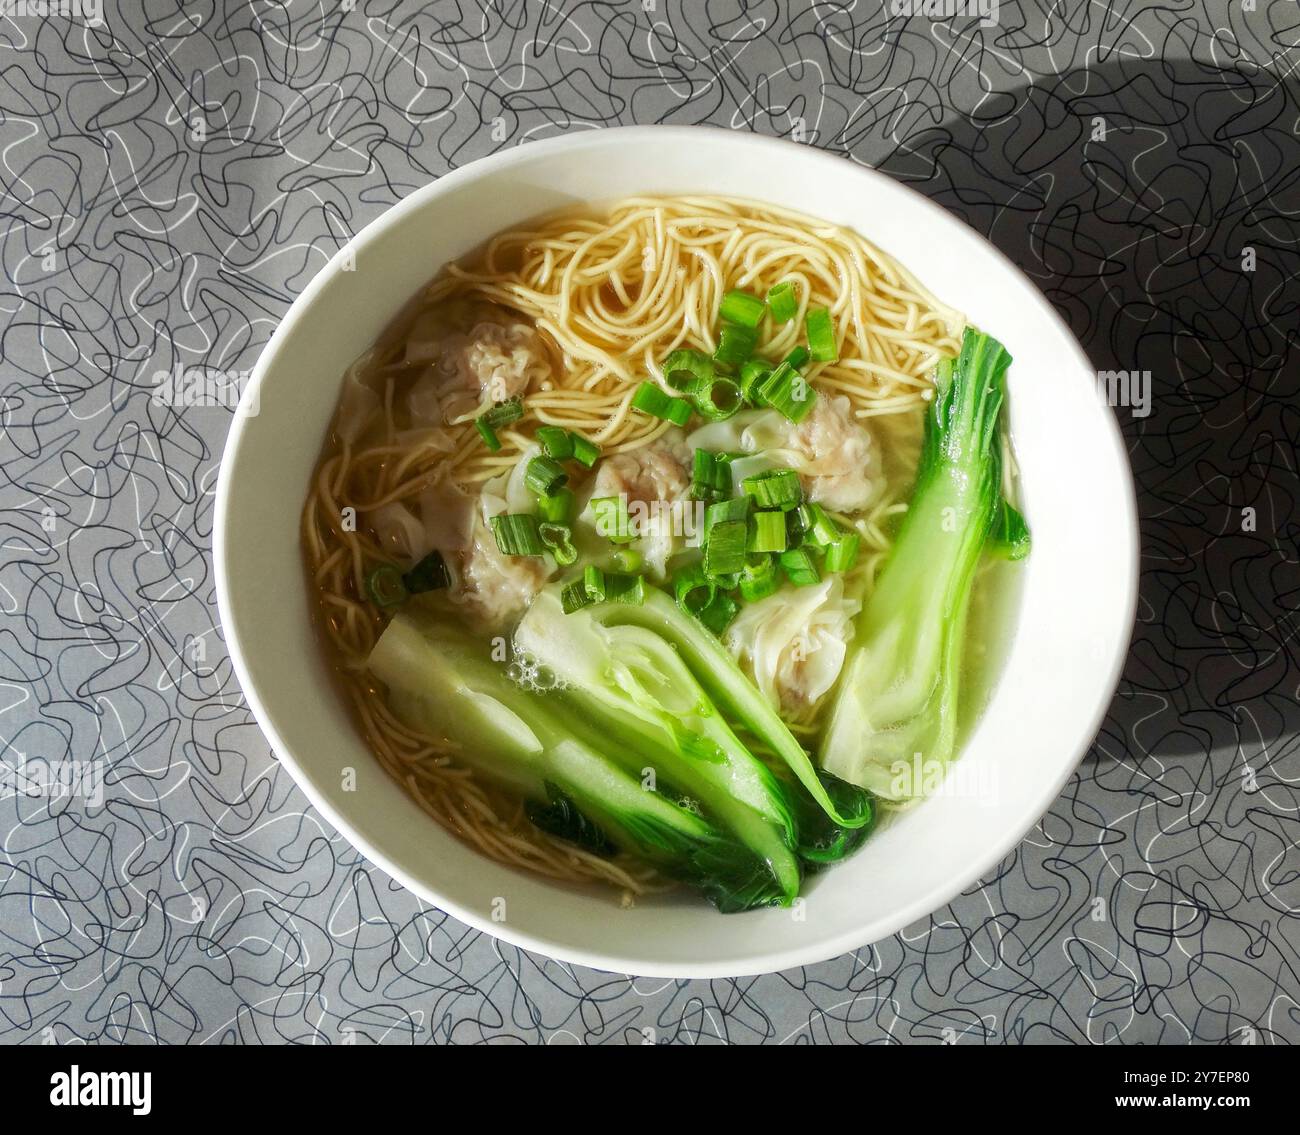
(799,567)
(503,413)
(794,529)
(758,579)
(653,401)
(703,466)
(735,345)
(783,302)
(704,472)
(516,534)
(842,554)
(752,375)
(787,391)
(818,528)
(612,520)
(694,589)
(584,452)
(488,434)
(429,574)
(556,441)
(797,357)
(545,476)
(385,586)
(767,532)
(742,309)
(717,399)
(621,588)
(821,335)
(776,488)
(724,547)
(685,368)
(626,559)
(558,539)
(593,579)
(574,597)
(720,512)
(719,613)
(722,471)
(556,507)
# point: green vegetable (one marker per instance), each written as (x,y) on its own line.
(430,574)
(783,302)
(545,476)
(752,376)
(821,335)
(444,683)
(556,442)
(626,560)
(737,508)
(767,532)
(593,581)
(628,589)
(797,357)
(627,685)
(584,452)
(799,567)
(758,579)
(385,587)
(516,534)
(788,392)
(558,539)
(502,414)
(717,399)
(724,547)
(735,345)
(842,554)
(612,520)
(777,488)
(561,818)
(686,368)
(719,612)
(821,840)
(742,309)
(1009,535)
(704,475)
(653,401)
(574,596)
(726,684)
(557,507)
(818,528)
(693,589)
(898,693)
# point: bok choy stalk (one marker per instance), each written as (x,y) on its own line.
(899,689)
(444,683)
(625,688)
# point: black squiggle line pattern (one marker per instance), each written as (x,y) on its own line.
(172,179)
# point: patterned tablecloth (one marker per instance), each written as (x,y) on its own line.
(173,175)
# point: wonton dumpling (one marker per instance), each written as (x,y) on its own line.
(793,642)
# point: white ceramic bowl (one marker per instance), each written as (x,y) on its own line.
(1076,606)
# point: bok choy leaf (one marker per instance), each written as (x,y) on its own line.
(446,684)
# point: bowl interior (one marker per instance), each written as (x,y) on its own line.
(1075,605)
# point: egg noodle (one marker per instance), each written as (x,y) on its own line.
(611,294)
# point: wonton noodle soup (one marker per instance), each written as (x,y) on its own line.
(572,314)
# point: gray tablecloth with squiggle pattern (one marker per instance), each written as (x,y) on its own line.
(173,176)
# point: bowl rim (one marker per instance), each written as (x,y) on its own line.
(779,149)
